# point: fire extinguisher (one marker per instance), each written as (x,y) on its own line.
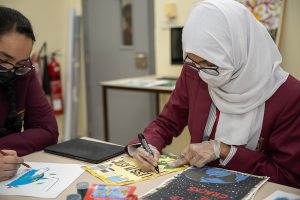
(55,85)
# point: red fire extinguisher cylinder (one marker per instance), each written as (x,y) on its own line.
(55,85)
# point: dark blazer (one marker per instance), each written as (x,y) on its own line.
(278,149)
(39,123)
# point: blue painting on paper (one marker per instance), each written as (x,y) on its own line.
(31,176)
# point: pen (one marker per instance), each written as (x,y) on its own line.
(5,154)
(146,147)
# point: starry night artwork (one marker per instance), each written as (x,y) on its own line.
(207,183)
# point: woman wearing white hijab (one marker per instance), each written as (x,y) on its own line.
(241,108)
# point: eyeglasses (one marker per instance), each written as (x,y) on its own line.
(20,69)
(209,69)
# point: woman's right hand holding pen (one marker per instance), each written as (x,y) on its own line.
(9,164)
(145,160)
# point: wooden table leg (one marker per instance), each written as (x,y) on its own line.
(105,113)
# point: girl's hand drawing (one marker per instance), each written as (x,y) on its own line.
(9,164)
(145,160)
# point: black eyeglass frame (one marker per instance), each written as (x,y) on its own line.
(210,70)
(17,70)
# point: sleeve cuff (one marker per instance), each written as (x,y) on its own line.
(132,148)
(231,153)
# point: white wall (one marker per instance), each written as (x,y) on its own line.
(162,34)
(49,19)
(290,41)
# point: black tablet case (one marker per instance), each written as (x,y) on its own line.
(85,150)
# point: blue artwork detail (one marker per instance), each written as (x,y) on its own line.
(29,177)
(215,175)
(117,179)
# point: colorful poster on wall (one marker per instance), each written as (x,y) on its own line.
(44,180)
(123,170)
(269,13)
(207,183)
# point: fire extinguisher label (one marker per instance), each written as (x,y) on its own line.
(57,104)
(56,69)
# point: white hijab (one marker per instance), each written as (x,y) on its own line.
(225,33)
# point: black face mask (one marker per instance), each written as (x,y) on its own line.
(13,122)
(6,78)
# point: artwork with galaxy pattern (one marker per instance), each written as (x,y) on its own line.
(207,183)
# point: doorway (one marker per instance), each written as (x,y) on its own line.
(110,55)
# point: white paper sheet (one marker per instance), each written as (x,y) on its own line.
(44,180)
(280,195)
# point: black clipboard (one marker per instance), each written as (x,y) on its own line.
(86,150)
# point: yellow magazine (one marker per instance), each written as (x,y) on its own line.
(123,170)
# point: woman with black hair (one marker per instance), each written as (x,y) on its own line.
(27,122)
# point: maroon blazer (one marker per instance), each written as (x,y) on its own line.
(278,149)
(39,123)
